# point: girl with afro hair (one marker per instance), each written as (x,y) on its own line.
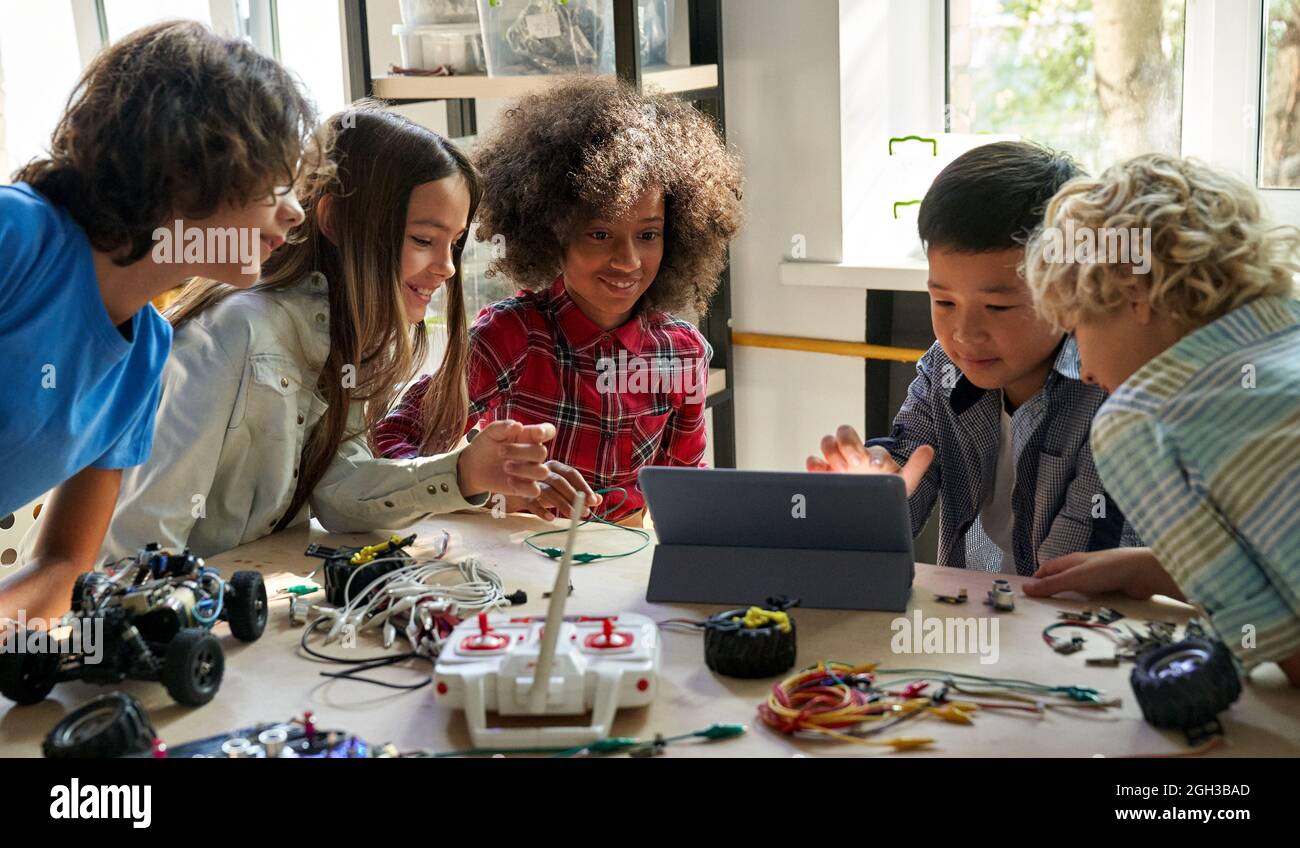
(611,210)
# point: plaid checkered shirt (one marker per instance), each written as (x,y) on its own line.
(620,399)
(1058,501)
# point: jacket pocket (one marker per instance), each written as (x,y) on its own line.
(273,396)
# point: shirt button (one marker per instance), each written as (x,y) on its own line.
(444,487)
(295,472)
(320,317)
(433,490)
(284,382)
(388,504)
(301,419)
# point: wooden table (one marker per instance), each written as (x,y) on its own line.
(270,680)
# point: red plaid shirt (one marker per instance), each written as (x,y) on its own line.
(621,399)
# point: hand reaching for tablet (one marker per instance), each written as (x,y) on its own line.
(845,452)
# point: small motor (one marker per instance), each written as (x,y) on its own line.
(751,643)
(1001,597)
(367,564)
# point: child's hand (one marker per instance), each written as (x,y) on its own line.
(39,590)
(506,457)
(845,452)
(558,492)
(1133,571)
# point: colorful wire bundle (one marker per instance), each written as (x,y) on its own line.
(847,702)
(831,697)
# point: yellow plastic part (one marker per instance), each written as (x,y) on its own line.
(757,617)
(369,552)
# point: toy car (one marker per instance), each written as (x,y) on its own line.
(152,619)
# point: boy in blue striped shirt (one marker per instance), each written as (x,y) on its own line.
(1199,343)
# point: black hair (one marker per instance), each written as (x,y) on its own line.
(993,197)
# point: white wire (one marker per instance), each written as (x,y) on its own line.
(405,589)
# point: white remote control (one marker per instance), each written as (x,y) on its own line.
(557,665)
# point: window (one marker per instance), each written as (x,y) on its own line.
(33,35)
(1099,79)
(479,290)
(1279,154)
(126,16)
(310,44)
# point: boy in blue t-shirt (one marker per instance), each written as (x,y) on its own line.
(174,159)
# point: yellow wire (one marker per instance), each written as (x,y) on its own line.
(957,712)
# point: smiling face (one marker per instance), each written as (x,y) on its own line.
(436,219)
(984,319)
(609,264)
(261,226)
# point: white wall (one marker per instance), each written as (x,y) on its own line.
(782,75)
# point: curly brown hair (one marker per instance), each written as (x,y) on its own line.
(589,147)
(171,120)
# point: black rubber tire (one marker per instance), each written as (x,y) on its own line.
(26,678)
(193,666)
(245,605)
(747,653)
(110,726)
(84,582)
(1186,684)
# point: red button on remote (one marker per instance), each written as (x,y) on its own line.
(608,638)
(486,640)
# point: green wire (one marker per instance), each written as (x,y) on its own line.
(608,745)
(1074,693)
(594,518)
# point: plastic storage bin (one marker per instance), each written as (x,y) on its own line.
(429,12)
(458,46)
(548,36)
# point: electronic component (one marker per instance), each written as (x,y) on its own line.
(1106,615)
(1068,646)
(1001,597)
(959,598)
(349,570)
(751,643)
(1075,643)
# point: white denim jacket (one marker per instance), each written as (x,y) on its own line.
(238,402)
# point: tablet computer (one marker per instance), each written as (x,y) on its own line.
(838,541)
